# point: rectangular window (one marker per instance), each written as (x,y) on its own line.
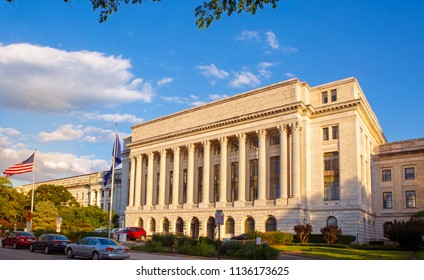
(216,171)
(333,95)
(253,176)
(410,199)
(185,185)
(216,149)
(274,139)
(387,200)
(409,173)
(199,184)
(274,177)
(325,134)
(171,185)
(253,142)
(331,176)
(335,132)
(234,181)
(324,96)
(234,146)
(386,175)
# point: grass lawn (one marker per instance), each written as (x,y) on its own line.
(351,253)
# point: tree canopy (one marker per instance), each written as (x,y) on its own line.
(58,195)
(206,13)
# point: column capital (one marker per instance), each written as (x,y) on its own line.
(223,141)
(206,144)
(191,147)
(261,133)
(163,153)
(296,126)
(151,155)
(283,128)
(176,150)
(242,137)
(138,157)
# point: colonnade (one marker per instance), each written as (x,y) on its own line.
(289,171)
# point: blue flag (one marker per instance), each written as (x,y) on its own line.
(118,159)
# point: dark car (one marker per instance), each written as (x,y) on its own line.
(18,239)
(134,233)
(97,248)
(242,236)
(50,243)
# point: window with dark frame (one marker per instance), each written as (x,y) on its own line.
(387,200)
(335,132)
(274,139)
(386,175)
(333,95)
(324,97)
(325,134)
(409,173)
(410,199)
(331,176)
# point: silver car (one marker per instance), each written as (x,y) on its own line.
(97,248)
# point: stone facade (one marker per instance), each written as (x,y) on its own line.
(88,189)
(269,158)
(398,181)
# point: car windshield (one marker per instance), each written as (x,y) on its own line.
(59,237)
(26,234)
(108,242)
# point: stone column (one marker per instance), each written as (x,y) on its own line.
(150,177)
(132,182)
(296,160)
(261,168)
(283,164)
(190,175)
(241,198)
(162,183)
(206,173)
(138,179)
(99,194)
(223,174)
(176,179)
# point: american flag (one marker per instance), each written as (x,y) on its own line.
(23,167)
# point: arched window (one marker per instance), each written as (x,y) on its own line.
(179,226)
(152,225)
(140,222)
(249,225)
(165,225)
(194,228)
(229,226)
(331,221)
(210,228)
(271,224)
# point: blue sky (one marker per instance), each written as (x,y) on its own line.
(66,79)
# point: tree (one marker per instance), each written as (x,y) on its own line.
(407,233)
(303,232)
(58,195)
(12,202)
(331,233)
(205,13)
(45,215)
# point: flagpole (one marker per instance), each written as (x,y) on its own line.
(32,195)
(113,178)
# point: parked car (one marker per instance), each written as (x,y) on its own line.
(134,233)
(18,239)
(97,248)
(49,243)
(242,236)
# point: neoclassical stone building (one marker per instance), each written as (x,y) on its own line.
(89,189)
(269,159)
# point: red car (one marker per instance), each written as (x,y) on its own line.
(134,233)
(18,239)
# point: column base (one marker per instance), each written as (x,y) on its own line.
(260,202)
(148,207)
(239,203)
(205,205)
(174,206)
(220,204)
(281,201)
(294,201)
(187,206)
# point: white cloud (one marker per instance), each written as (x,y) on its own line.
(290,75)
(263,69)
(165,81)
(249,36)
(174,99)
(116,118)
(38,78)
(197,103)
(272,41)
(244,78)
(213,71)
(9,131)
(217,96)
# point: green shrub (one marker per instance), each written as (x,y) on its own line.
(167,240)
(272,237)
(331,233)
(407,233)
(249,251)
(346,239)
(303,232)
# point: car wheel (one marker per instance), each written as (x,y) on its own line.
(47,250)
(2,244)
(15,245)
(31,248)
(96,255)
(69,254)
(142,238)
